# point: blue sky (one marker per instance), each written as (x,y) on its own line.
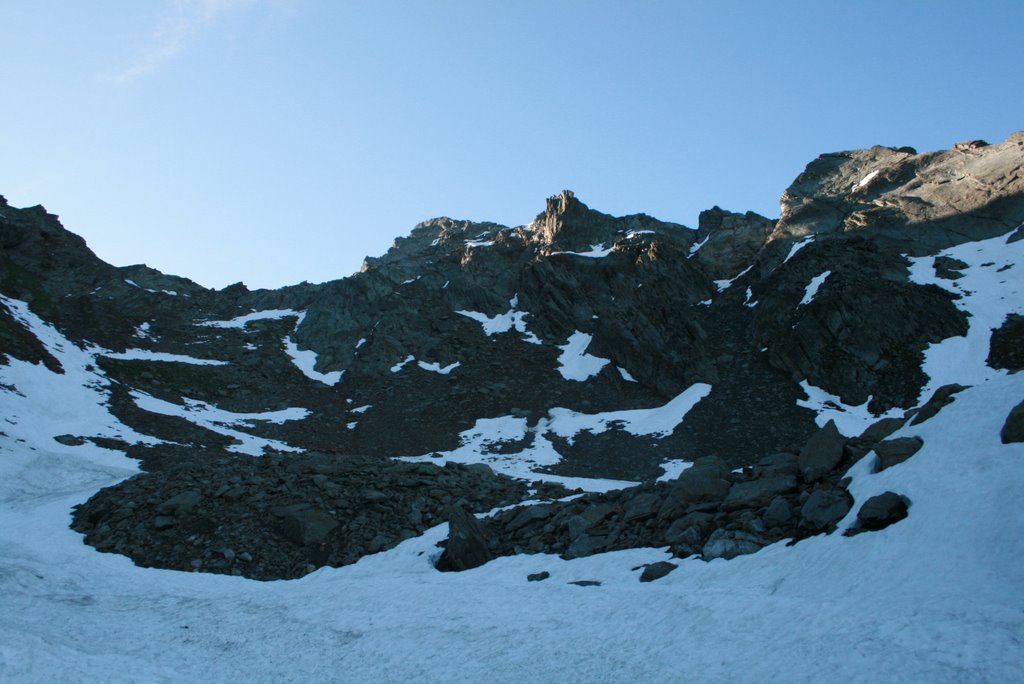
(275,141)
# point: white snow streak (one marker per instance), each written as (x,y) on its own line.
(224,422)
(148,355)
(812,287)
(797,246)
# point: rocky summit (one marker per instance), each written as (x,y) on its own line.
(593,383)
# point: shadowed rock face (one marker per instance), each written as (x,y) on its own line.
(462,326)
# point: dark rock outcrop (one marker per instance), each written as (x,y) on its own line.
(1006,346)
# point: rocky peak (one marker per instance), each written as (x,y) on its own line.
(568,224)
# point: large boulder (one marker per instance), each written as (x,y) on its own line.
(467,545)
(778,514)
(1013,428)
(823,509)
(756,493)
(304,525)
(705,480)
(180,503)
(893,451)
(943,397)
(657,571)
(731,543)
(883,510)
(822,453)
(881,429)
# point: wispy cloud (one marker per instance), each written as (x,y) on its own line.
(182,21)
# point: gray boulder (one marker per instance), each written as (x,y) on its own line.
(304,525)
(883,510)
(822,453)
(642,506)
(893,451)
(942,397)
(1013,428)
(881,429)
(731,543)
(823,509)
(756,493)
(467,545)
(528,515)
(180,503)
(689,530)
(657,571)
(585,545)
(705,480)
(778,514)
(782,463)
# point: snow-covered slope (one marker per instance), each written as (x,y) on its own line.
(936,597)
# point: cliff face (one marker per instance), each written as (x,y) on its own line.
(581,345)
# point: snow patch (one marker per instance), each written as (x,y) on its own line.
(37,404)
(625,374)
(991,288)
(812,288)
(863,183)
(482,442)
(224,422)
(656,422)
(574,363)
(436,367)
(402,364)
(240,322)
(305,361)
(597,251)
(851,420)
(695,247)
(510,320)
(148,355)
(797,246)
(723,285)
(142,331)
(672,469)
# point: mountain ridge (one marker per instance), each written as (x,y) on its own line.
(580,349)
